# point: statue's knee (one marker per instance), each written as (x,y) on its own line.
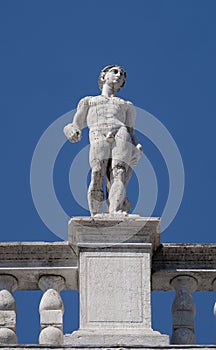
(119,171)
(98,165)
(97,174)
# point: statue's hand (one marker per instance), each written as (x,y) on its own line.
(139,147)
(72,133)
(137,152)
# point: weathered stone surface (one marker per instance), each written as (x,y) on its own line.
(183,310)
(52,282)
(51,300)
(115,288)
(196,260)
(53,318)
(51,335)
(115,281)
(7,301)
(7,310)
(114,149)
(9,283)
(109,230)
(7,336)
(94,338)
(51,310)
(68,347)
(8,319)
(183,335)
(28,261)
(36,254)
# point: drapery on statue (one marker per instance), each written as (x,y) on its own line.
(114,149)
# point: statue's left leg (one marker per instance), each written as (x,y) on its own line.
(117,191)
(121,155)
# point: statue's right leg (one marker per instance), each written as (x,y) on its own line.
(98,159)
(95,191)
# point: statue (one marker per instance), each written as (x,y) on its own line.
(114,149)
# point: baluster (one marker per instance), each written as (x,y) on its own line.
(7,310)
(51,310)
(183,310)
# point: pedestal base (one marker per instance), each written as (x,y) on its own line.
(115,281)
(113,338)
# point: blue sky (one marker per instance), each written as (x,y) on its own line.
(51,55)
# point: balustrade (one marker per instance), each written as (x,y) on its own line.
(53,267)
(8,283)
(51,310)
(183,310)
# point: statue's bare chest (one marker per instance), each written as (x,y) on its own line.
(106,108)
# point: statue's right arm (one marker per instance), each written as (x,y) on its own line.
(73,131)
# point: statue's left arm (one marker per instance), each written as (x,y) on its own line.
(130,123)
(130,118)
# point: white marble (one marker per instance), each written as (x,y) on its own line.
(183,310)
(51,310)
(108,230)
(8,283)
(141,347)
(195,260)
(114,283)
(114,149)
(51,335)
(115,289)
(28,261)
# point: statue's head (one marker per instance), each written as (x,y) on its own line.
(116,69)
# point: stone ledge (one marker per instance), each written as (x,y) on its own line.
(113,230)
(202,256)
(196,260)
(116,337)
(35,254)
(62,347)
(28,261)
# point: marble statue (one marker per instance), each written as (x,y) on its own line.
(114,149)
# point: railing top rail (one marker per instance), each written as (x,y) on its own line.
(27,261)
(196,260)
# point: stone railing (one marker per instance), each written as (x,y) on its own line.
(184,268)
(52,267)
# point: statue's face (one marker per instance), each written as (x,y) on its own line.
(114,76)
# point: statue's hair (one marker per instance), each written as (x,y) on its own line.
(105,70)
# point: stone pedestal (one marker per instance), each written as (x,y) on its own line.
(114,281)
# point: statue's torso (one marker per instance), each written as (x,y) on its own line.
(106,112)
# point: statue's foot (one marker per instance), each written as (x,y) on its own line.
(119,213)
(98,215)
(126,206)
